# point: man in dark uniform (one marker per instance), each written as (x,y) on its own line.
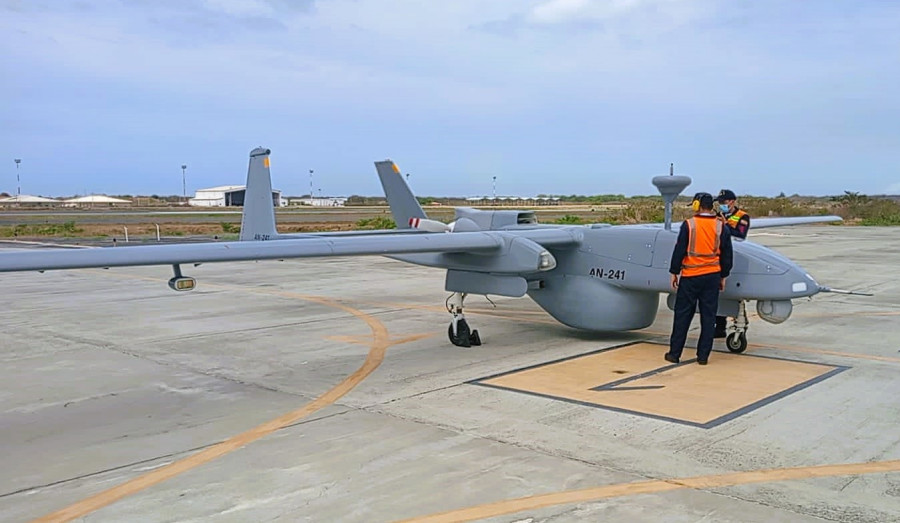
(738,222)
(703,258)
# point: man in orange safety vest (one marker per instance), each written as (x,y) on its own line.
(701,262)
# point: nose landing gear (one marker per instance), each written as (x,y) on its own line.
(459,332)
(736,341)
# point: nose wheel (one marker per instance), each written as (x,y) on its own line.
(459,332)
(736,341)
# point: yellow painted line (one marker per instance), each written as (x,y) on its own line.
(512,506)
(379,343)
(366,340)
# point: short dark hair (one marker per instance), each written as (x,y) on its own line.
(706,201)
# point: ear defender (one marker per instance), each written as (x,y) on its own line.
(695,205)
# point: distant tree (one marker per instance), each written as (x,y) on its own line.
(851,198)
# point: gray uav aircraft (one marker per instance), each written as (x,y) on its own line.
(597,277)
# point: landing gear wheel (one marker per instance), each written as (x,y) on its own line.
(459,332)
(463,337)
(736,343)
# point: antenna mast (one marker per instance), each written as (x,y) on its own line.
(670,187)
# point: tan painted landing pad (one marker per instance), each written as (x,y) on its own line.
(636,379)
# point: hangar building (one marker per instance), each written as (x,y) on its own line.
(226,196)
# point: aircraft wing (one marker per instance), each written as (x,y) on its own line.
(765,223)
(762,223)
(488,242)
(51,259)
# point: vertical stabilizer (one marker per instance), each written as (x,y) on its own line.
(403,204)
(258,221)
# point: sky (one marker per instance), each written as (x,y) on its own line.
(548,96)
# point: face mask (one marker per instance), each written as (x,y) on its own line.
(724,207)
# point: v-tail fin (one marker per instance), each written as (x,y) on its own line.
(400,198)
(258,219)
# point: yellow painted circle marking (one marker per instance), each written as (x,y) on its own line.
(512,506)
(378,345)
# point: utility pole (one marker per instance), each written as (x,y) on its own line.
(18,184)
(183,181)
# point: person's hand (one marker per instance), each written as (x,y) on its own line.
(675,281)
(722,284)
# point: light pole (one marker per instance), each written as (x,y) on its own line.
(495,187)
(310,187)
(183,182)
(18,185)
(407,178)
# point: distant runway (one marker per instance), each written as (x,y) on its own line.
(326,390)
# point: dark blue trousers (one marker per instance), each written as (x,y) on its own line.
(691,291)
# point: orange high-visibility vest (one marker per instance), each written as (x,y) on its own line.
(735,218)
(704,236)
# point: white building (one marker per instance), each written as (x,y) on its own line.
(327,201)
(98,200)
(29,200)
(226,196)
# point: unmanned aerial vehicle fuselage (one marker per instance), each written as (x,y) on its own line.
(596,277)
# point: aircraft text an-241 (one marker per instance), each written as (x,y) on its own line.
(597,277)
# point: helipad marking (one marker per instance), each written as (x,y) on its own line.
(635,379)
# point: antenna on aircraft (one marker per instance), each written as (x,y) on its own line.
(670,187)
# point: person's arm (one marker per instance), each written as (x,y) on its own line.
(726,253)
(678,254)
(742,228)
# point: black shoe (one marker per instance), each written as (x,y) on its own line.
(720,334)
(670,358)
(702,362)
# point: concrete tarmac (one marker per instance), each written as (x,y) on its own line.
(124,401)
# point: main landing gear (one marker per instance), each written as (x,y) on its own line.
(736,341)
(459,332)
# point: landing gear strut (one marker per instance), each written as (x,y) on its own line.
(737,339)
(459,332)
